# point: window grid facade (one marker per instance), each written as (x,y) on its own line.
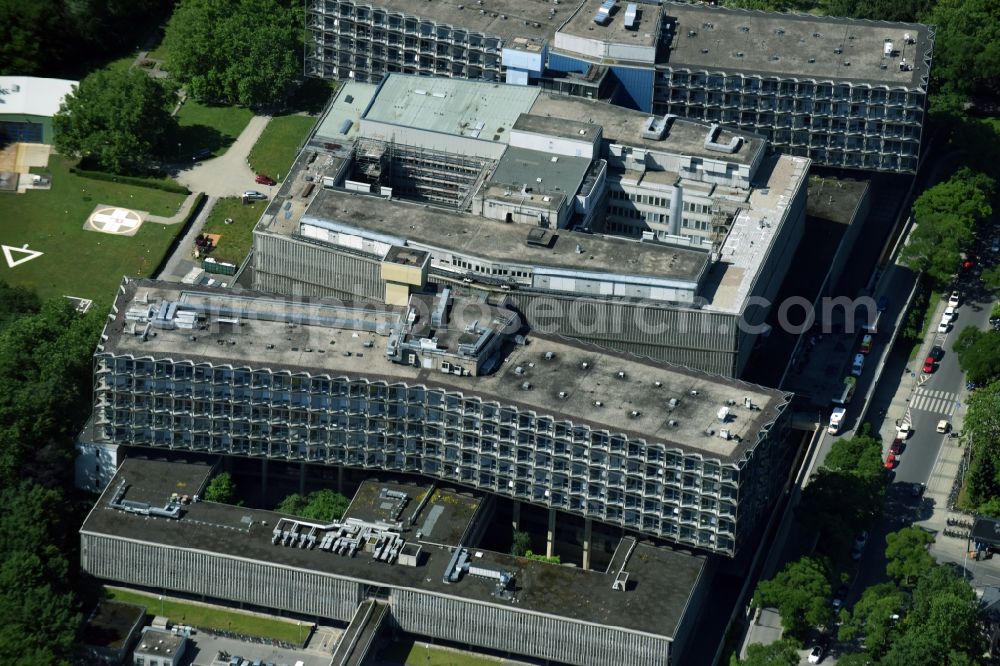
(853,125)
(349,40)
(652,488)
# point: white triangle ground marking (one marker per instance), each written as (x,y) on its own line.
(11,262)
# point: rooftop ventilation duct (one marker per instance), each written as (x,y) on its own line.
(731,147)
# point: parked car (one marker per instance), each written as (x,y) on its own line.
(953,300)
(896,448)
(995,244)
(890,463)
(949,314)
(815,655)
(254,195)
(866,344)
(858,366)
(943,426)
(944,325)
(265,180)
(201,154)
(861,540)
(903,431)
(936,353)
(929,365)
(838,597)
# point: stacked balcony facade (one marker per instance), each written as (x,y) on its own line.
(652,488)
(849,125)
(348,40)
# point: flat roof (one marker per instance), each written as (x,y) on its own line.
(110,623)
(494,240)
(505,19)
(798,46)
(479,109)
(159,642)
(643,32)
(752,233)
(661,580)
(566,128)
(348,105)
(32,95)
(540,172)
(444,520)
(550,375)
(624,126)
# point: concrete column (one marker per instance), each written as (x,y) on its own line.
(263,480)
(302,478)
(587,526)
(516,513)
(551,536)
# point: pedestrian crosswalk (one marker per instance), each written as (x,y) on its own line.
(939,402)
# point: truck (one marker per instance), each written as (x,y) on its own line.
(846,391)
(836,420)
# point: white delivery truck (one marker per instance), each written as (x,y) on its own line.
(836,420)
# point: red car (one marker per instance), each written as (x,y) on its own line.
(929,365)
(265,180)
(896,447)
(890,461)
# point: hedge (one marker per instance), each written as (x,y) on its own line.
(166,186)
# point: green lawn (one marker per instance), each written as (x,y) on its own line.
(418,653)
(277,146)
(207,126)
(210,617)
(237,238)
(78,262)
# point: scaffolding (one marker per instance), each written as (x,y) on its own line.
(418,174)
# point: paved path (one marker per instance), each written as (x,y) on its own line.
(181,262)
(230,174)
(177,217)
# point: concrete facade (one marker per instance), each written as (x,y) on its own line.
(228,553)
(653,236)
(845,93)
(565,427)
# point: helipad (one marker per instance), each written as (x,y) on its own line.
(114,220)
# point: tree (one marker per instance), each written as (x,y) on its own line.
(861,455)
(293,505)
(982,432)
(243,52)
(38,614)
(119,119)
(991,278)
(780,653)
(942,626)
(978,354)
(16,301)
(966,48)
(906,552)
(221,489)
(872,618)
(839,504)
(801,593)
(46,372)
(324,505)
(881,10)
(946,216)
(521,543)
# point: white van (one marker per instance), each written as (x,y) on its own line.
(836,420)
(859,365)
